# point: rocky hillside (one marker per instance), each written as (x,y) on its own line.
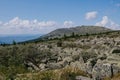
(91,57)
(79,30)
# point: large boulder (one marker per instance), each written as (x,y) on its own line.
(101,70)
(104,69)
(32,66)
(68,59)
(89,67)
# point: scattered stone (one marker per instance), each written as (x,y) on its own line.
(82,78)
(42,66)
(53,66)
(79,65)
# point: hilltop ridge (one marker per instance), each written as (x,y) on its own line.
(78,30)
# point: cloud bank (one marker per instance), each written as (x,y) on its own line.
(20,26)
(24,26)
(106,22)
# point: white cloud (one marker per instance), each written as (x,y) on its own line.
(47,24)
(21,26)
(91,15)
(68,24)
(106,22)
(17,23)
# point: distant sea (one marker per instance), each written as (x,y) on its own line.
(18,38)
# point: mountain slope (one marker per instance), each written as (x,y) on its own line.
(80,30)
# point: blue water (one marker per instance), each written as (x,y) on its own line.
(18,38)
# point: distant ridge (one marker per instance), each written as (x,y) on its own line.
(80,30)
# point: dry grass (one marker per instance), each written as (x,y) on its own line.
(67,73)
(115,77)
(2,76)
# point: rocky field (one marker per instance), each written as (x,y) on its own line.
(87,57)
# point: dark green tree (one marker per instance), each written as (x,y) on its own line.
(59,43)
(14,42)
(65,36)
(73,34)
(87,34)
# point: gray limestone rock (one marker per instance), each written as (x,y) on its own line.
(104,69)
(42,66)
(79,65)
(82,78)
(53,66)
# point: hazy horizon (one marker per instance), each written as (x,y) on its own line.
(8,39)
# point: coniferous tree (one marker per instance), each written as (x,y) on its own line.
(14,42)
(73,34)
(65,36)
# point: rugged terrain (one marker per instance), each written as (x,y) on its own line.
(78,30)
(77,57)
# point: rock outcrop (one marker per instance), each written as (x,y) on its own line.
(99,57)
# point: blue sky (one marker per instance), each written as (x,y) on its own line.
(43,16)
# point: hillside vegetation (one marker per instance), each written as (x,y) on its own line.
(73,57)
(79,30)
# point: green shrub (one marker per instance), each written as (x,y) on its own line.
(116,51)
(59,43)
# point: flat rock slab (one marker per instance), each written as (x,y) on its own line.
(82,78)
